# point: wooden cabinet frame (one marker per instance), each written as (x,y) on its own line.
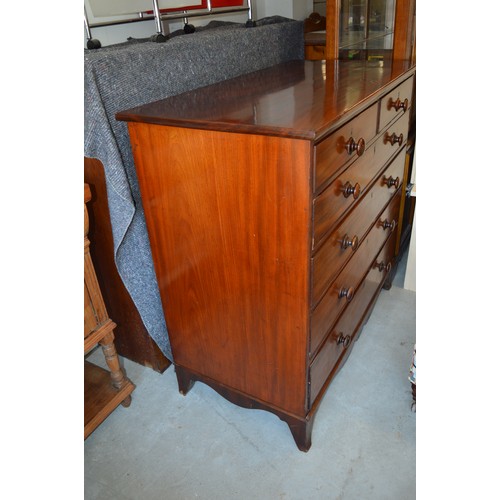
(404,29)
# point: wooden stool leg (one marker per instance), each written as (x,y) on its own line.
(117,377)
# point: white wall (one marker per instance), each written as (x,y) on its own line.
(293,9)
(302,9)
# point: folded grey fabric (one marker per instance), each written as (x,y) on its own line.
(136,72)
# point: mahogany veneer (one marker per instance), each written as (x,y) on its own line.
(271,202)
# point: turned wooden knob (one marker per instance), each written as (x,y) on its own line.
(347,242)
(382,266)
(391,181)
(394,139)
(388,225)
(399,104)
(349,189)
(351,145)
(345,341)
(348,293)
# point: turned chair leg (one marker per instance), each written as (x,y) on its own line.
(118,379)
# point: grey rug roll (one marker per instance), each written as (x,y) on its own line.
(136,72)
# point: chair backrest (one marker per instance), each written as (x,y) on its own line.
(315,22)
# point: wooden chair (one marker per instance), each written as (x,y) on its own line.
(104,390)
(315,37)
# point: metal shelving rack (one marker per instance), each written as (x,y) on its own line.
(159,17)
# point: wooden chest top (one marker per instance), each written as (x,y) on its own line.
(301,99)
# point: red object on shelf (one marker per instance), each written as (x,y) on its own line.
(215,4)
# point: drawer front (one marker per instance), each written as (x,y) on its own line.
(330,305)
(333,152)
(391,141)
(335,201)
(341,337)
(342,194)
(341,245)
(391,105)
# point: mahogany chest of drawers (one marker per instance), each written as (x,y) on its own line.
(271,202)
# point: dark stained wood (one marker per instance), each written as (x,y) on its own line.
(350,323)
(315,22)
(229,202)
(327,358)
(298,112)
(331,304)
(330,255)
(404,30)
(404,44)
(326,295)
(332,203)
(333,13)
(224,240)
(332,154)
(314,42)
(388,112)
(132,340)
(301,428)
(407,208)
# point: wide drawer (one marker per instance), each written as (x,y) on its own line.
(395,103)
(343,333)
(346,190)
(345,240)
(335,151)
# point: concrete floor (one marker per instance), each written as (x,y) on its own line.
(167,446)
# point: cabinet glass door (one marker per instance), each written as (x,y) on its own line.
(366,29)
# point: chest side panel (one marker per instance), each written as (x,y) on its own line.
(229,222)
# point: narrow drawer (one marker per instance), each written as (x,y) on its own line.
(334,151)
(330,305)
(343,333)
(351,185)
(344,241)
(391,141)
(395,103)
